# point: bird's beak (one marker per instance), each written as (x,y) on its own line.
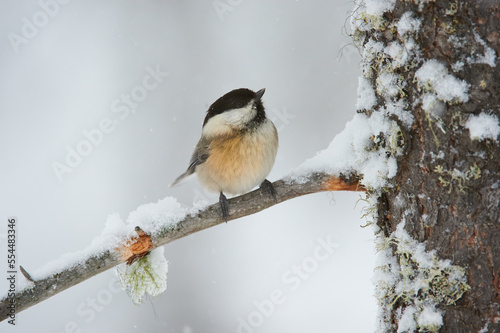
(258,94)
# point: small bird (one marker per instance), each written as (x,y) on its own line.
(237,148)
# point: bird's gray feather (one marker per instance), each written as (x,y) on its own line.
(200,155)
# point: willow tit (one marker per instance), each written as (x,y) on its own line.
(237,148)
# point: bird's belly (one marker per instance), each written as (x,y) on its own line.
(236,165)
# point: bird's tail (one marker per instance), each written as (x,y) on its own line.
(181,177)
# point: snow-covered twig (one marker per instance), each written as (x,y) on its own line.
(247,204)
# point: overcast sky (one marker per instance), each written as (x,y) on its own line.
(101,104)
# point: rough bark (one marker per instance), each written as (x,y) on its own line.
(447,190)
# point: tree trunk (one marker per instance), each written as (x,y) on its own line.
(442,58)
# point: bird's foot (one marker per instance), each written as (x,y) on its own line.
(268,186)
(224,206)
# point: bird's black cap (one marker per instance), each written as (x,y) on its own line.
(236,99)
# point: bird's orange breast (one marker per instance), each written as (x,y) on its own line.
(237,163)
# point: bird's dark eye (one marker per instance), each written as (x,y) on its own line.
(239,105)
(254,107)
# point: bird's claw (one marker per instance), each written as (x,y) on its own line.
(224,206)
(268,186)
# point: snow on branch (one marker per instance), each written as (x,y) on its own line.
(360,158)
(363,157)
(158,224)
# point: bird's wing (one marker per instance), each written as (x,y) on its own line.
(200,155)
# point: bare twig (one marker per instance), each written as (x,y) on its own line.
(243,205)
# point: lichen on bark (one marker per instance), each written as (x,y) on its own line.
(430,66)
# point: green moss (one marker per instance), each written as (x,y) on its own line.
(391,143)
(434,120)
(452,9)
(457,120)
(442,288)
(456,178)
(369,211)
(164,231)
(148,275)
(417,279)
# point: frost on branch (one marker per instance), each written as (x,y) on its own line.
(147,275)
(368,146)
(146,270)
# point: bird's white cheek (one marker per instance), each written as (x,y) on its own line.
(216,126)
(228,121)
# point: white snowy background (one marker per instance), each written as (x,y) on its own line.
(72,72)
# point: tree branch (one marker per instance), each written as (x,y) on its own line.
(243,205)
